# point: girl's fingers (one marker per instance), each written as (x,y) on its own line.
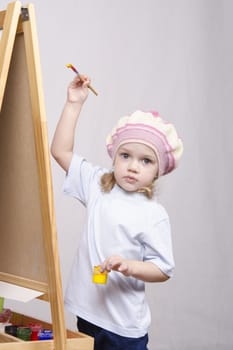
(80,80)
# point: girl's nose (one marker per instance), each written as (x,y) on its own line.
(133,165)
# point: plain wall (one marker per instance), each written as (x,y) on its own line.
(175,57)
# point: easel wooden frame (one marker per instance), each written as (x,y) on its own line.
(14,21)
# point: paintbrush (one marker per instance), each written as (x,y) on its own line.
(69,65)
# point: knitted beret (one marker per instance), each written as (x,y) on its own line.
(150,129)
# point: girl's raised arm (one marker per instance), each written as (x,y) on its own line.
(63,140)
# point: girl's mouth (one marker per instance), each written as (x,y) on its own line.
(130,179)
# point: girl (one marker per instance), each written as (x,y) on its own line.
(127,231)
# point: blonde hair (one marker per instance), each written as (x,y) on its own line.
(108,181)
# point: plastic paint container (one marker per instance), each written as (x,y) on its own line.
(98,276)
(24,333)
(35,328)
(11,329)
(45,334)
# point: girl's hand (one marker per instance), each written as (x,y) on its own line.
(117,263)
(143,270)
(78,89)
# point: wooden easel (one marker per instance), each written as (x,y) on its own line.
(28,241)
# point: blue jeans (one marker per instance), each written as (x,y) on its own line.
(106,340)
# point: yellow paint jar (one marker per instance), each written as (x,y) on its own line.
(98,276)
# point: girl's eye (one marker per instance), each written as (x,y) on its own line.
(124,155)
(146,161)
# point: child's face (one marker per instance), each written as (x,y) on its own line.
(135,166)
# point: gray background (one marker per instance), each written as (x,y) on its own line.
(174,57)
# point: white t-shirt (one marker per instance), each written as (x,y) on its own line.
(118,223)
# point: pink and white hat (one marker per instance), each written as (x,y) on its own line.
(150,129)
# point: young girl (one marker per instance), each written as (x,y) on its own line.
(127,231)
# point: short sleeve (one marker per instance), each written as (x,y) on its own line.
(80,178)
(157,244)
